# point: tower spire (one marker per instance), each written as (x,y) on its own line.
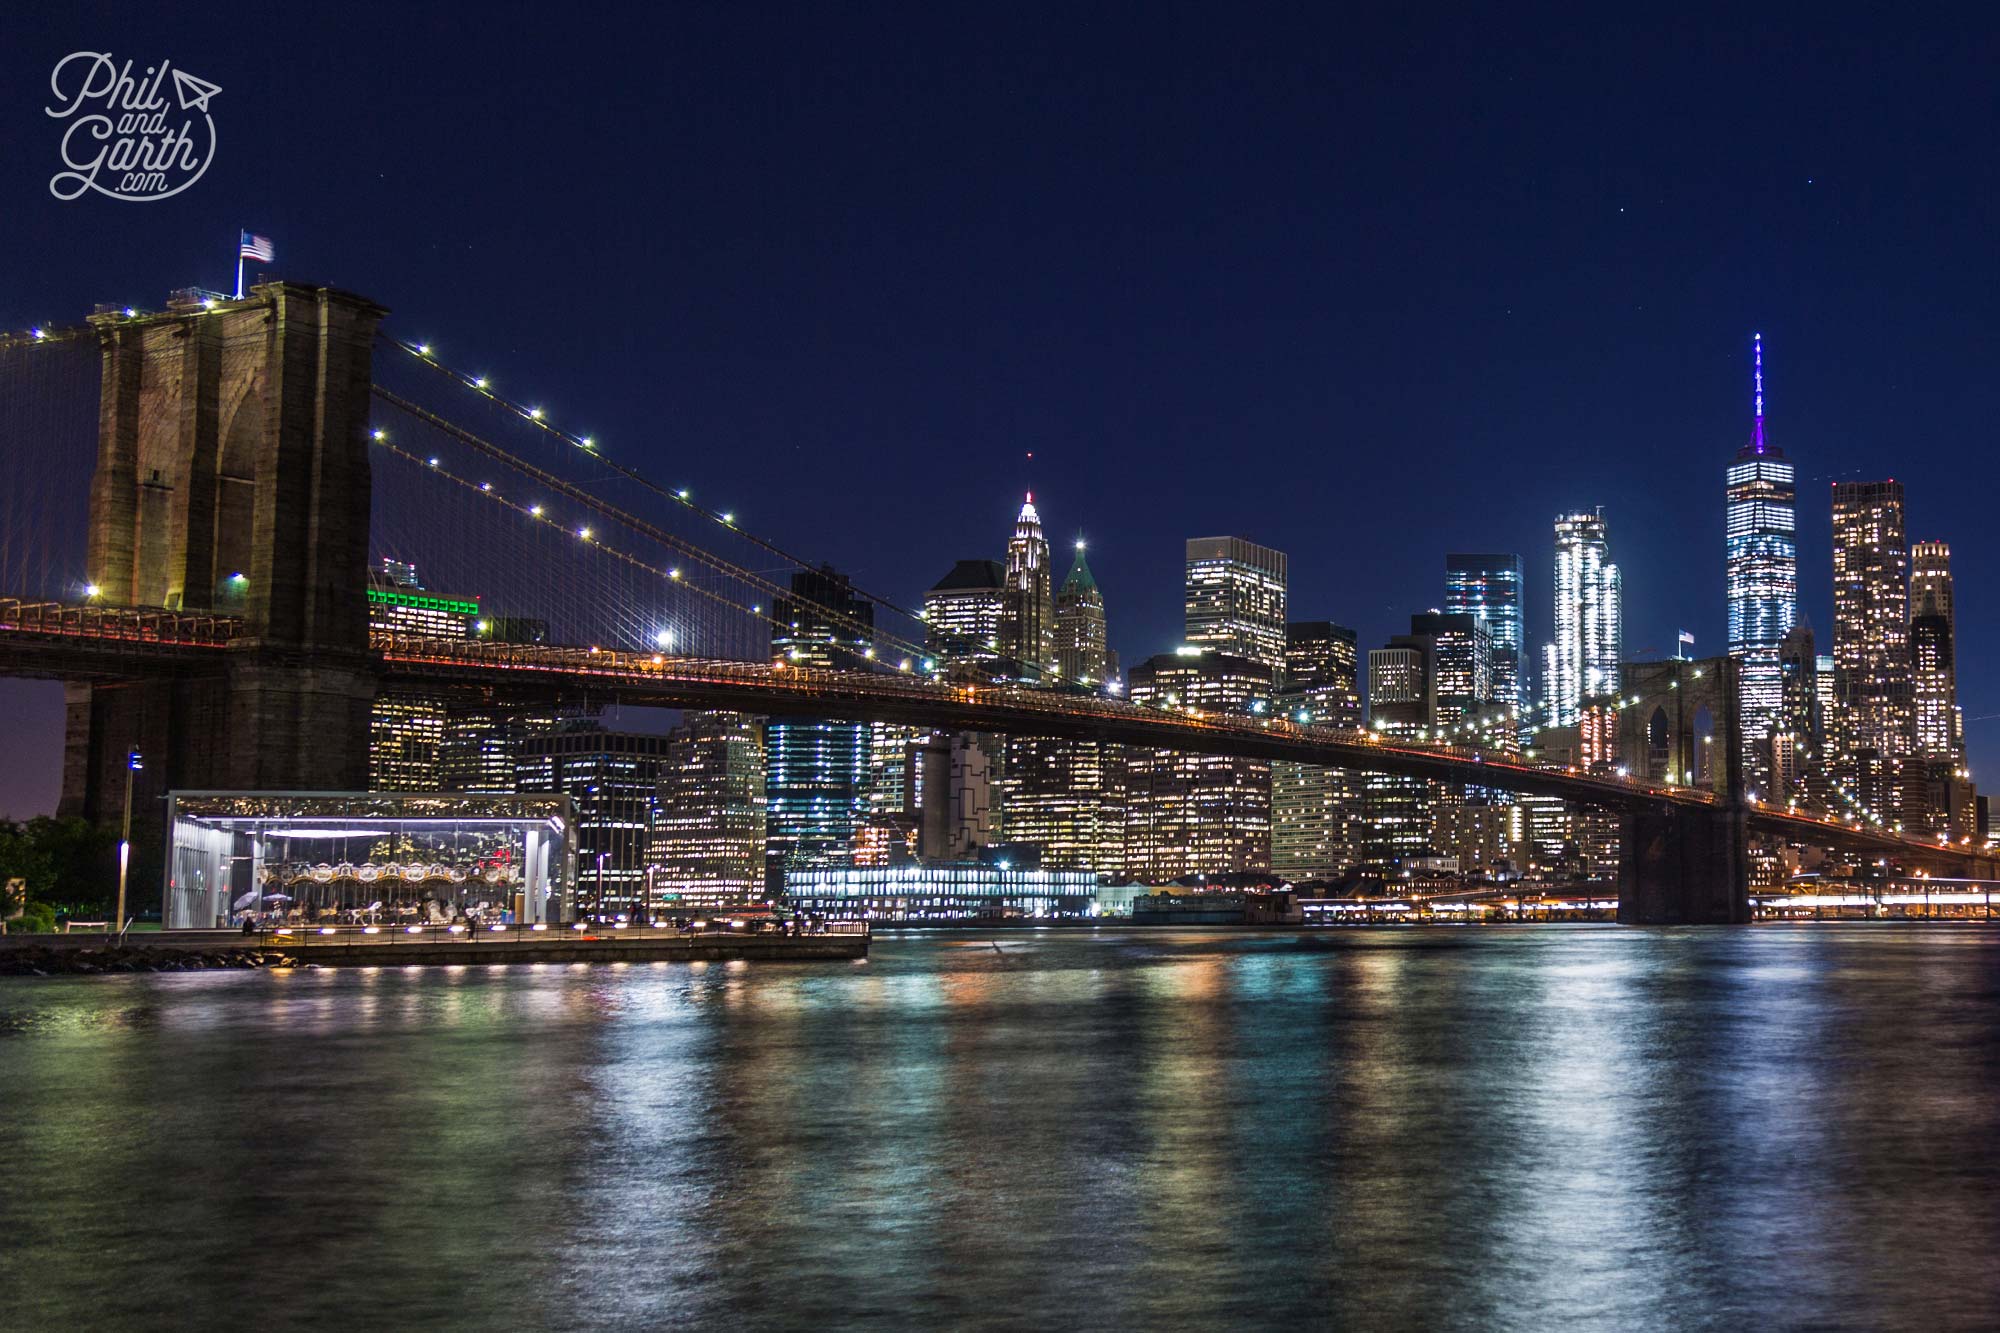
(1757,383)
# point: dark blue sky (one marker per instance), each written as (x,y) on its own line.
(1365,286)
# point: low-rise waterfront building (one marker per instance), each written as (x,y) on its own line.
(949,890)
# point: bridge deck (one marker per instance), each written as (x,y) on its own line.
(61,641)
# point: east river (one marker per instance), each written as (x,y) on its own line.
(1478,1128)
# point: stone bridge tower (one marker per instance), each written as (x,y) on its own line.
(233,477)
(1680,866)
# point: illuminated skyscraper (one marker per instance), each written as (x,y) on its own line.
(1028,615)
(1236,599)
(1461,664)
(612,777)
(1401,702)
(1061,795)
(1083,650)
(963,611)
(1315,811)
(1938,797)
(1582,663)
(1197,813)
(1796,743)
(816,769)
(1490,587)
(1939,730)
(708,832)
(407,724)
(1763,579)
(1871,648)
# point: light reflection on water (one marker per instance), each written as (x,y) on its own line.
(1492,1128)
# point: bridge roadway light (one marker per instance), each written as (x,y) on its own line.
(91,590)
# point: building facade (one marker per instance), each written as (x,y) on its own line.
(708,830)
(1871,650)
(1190,814)
(1235,599)
(407,725)
(1797,742)
(1761,544)
(1396,810)
(1940,731)
(1491,587)
(1028,618)
(1065,797)
(612,781)
(963,612)
(942,891)
(1582,662)
(816,769)
(1083,643)
(1316,811)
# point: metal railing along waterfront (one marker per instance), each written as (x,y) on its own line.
(430,933)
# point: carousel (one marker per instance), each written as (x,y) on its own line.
(367,859)
(368,893)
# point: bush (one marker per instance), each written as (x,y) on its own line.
(36,919)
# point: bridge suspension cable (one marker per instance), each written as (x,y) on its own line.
(722,522)
(536,417)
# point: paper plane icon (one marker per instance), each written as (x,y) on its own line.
(194,93)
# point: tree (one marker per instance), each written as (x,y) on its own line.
(70,863)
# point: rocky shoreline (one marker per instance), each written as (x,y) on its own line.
(51,961)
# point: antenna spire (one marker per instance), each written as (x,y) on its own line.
(1757,382)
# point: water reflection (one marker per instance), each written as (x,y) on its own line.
(1493,1128)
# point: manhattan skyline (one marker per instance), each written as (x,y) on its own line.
(1387,327)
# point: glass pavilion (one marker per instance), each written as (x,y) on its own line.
(411,857)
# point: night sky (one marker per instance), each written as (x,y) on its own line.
(1365,287)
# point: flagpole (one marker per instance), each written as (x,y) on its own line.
(239,269)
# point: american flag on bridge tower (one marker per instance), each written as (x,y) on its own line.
(258,248)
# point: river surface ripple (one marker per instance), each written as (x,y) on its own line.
(1478,1128)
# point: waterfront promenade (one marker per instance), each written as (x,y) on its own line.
(398,946)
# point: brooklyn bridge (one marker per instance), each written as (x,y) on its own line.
(196,496)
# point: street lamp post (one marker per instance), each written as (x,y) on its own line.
(133,763)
